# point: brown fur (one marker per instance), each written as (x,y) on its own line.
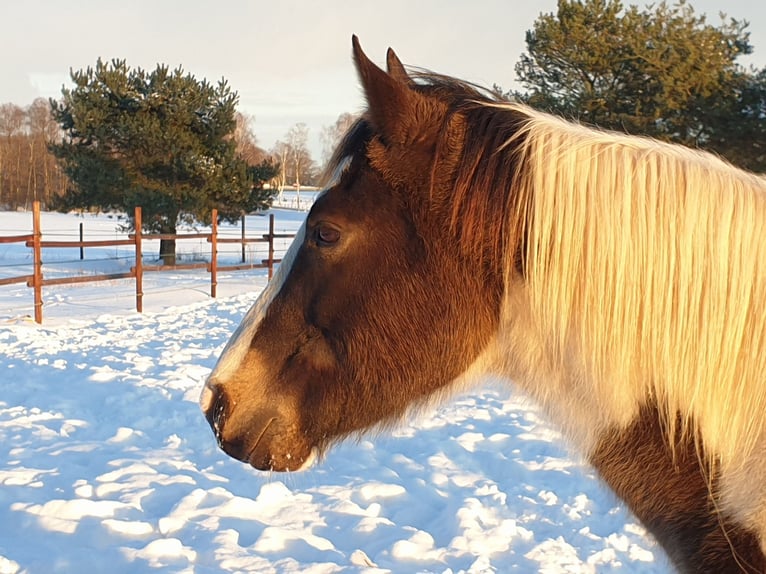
(671,494)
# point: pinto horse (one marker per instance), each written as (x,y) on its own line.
(618,281)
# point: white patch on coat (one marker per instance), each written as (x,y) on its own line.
(742,493)
(236,349)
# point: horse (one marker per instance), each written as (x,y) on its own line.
(618,281)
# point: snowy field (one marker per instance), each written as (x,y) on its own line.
(107,464)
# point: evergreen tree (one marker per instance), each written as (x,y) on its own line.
(737,128)
(159,140)
(662,71)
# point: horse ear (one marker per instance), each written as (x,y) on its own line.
(389,97)
(396,68)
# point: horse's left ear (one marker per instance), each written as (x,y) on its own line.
(392,104)
(396,68)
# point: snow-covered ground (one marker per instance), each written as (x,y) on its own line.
(107,464)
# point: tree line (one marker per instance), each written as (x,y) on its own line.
(28,171)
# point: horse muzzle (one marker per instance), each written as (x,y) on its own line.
(264,437)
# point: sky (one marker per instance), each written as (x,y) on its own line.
(289,61)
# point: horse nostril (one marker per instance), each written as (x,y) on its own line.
(206,397)
(243,435)
(216,406)
(219,417)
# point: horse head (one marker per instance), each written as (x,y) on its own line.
(377,305)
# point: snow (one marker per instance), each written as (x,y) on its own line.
(107,464)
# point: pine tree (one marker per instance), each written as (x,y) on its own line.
(159,140)
(663,71)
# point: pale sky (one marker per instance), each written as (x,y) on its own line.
(290,61)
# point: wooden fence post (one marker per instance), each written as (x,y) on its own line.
(214,253)
(271,245)
(139,261)
(82,249)
(243,238)
(37,274)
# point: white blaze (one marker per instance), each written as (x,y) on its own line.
(236,348)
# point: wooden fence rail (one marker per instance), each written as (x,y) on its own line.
(36,281)
(16,239)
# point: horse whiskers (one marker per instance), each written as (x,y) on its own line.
(260,436)
(219,417)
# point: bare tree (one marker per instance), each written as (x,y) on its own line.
(247,144)
(12,119)
(11,132)
(296,167)
(280,152)
(42,130)
(297,140)
(28,171)
(332,135)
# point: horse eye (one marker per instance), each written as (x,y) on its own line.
(327,235)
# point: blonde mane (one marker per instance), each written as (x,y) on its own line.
(646,272)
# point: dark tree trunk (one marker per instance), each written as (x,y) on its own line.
(168,251)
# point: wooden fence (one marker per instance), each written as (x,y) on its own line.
(35,241)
